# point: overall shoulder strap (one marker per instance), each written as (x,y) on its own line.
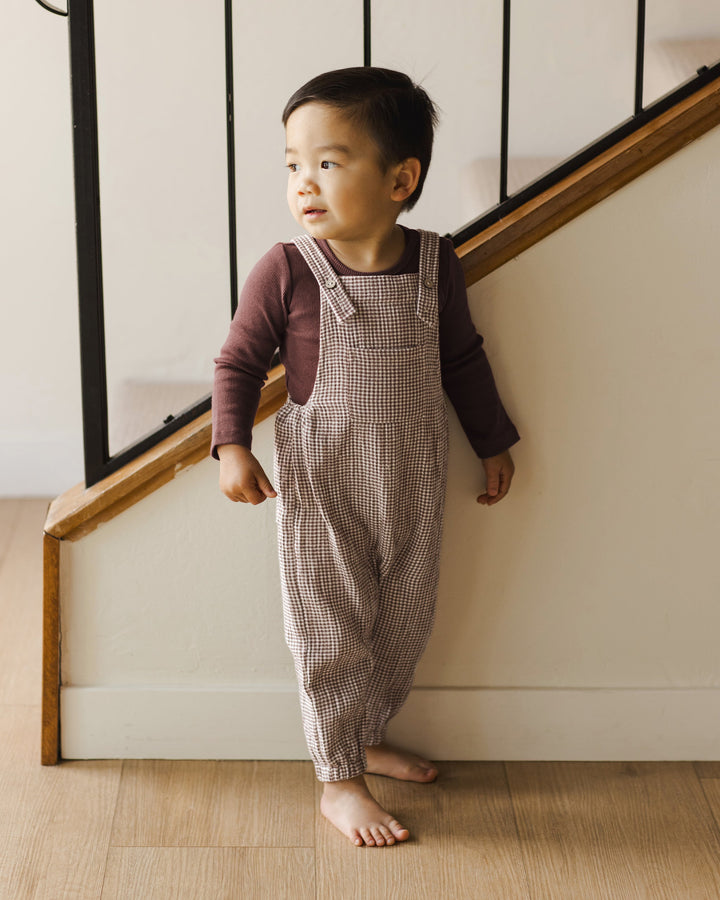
(329,282)
(427,303)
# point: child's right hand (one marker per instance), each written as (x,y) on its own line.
(242,478)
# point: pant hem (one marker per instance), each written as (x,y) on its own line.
(341,773)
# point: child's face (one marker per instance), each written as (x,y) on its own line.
(337,189)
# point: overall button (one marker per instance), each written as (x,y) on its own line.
(330,283)
(428,282)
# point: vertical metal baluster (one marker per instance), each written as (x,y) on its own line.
(505,102)
(640,58)
(366,33)
(88,240)
(229,93)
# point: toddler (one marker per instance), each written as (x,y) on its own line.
(372,323)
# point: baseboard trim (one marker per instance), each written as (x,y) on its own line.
(452,724)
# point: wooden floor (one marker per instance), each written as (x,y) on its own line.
(155,830)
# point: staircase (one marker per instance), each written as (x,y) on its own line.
(136,567)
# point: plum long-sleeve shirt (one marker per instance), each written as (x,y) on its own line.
(279,307)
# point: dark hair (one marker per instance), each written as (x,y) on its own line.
(396,112)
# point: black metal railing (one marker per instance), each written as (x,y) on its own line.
(98,460)
(505,102)
(640,57)
(506,204)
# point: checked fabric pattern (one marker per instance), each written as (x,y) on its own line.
(360,471)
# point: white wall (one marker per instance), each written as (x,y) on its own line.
(578,619)
(41,423)
(162,148)
(684,19)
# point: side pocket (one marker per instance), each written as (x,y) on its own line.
(282,451)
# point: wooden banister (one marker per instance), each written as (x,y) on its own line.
(80,510)
(590,184)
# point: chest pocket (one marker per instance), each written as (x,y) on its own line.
(385,325)
(386,386)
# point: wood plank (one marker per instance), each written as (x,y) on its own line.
(614,829)
(590,184)
(9,512)
(76,508)
(710,785)
(195,873)
(21,577)
(54,822)
(463,841)
(171,803)
(706,769)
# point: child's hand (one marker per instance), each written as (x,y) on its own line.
(242,478)
(499,471)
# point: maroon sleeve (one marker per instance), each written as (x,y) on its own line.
(256,331)
(466,373)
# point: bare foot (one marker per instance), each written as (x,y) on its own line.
(383,759)
(350,807)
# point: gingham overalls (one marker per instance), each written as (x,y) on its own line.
(360,471)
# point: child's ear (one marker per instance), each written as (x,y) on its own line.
(407,175)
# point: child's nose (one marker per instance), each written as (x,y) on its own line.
(307,187)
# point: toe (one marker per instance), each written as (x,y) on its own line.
(387,834)
(400,832)
(367,837)
(378,836)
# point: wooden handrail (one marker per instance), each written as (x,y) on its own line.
(590,184)
(80,510)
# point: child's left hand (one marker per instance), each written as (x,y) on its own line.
(499,471)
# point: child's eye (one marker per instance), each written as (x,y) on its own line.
(326,164)
(293,167)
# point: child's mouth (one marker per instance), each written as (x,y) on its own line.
(313,213)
